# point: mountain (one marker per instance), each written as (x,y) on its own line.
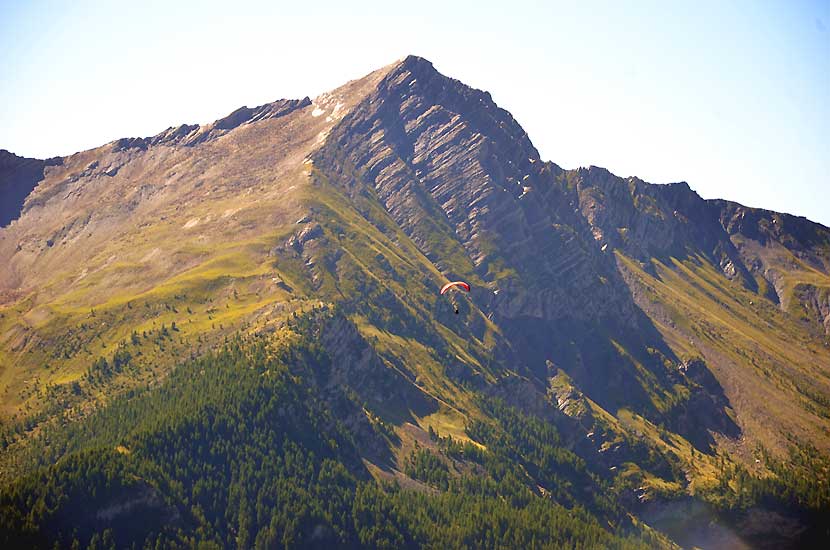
(234,332)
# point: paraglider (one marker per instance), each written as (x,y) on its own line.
(453,287)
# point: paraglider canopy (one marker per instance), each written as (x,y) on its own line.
(455,284)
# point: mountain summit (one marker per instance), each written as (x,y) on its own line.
(626,347)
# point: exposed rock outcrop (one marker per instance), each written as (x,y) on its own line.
(18,177)
(647,220)
(816,303)
(193,134)
(462,178)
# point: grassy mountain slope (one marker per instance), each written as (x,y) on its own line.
(626,346)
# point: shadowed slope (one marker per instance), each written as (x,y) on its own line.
(18,176)
(463,180)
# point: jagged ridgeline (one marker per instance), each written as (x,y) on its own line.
(234,333)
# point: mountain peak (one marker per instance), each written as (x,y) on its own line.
(652,333)
(416,63)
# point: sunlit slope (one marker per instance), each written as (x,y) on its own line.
(775,374)
(360,259)
(142,233)
(789,257)
(242,232)
(744,289)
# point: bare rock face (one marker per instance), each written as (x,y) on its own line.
(646,221)
(303,237)
(462,178)
(816,303)
(773,246)
(18,176)
(808,241)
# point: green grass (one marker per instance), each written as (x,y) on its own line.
(755,349)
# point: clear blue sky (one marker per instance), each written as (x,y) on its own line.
(733,97)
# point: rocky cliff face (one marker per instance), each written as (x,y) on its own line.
(646,220)
(462,178)
(18,177)
(547,248)
(773,246)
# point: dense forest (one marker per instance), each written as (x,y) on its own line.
(236,449)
